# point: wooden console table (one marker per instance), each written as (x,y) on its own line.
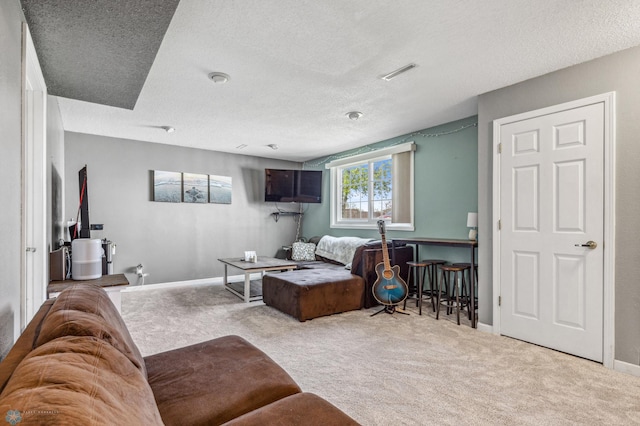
(469,244)
(112,284)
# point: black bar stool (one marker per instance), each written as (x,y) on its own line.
(466,293)
(449,278)
(418,269)
(432,279)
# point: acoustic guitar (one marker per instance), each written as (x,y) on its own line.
(389,288)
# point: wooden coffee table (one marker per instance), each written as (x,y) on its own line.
(263,264)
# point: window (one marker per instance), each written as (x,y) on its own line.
(373,186)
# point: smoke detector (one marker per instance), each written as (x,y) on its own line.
(219,77)
(354,115)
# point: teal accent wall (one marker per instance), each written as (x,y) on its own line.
(446,187)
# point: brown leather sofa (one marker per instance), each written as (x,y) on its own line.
(324,287)
(364,262)
(77,364)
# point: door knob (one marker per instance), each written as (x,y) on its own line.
(590,244)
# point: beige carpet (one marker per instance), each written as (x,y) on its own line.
(396,369)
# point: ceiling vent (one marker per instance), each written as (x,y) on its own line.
(394,74)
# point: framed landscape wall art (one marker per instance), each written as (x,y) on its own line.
(167,186)
(219,189)
(197,188)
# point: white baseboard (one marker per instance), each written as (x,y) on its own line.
(625,367)
(620,366)
(486,328)
(177,284)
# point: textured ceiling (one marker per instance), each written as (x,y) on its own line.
(97,51)
(298,66)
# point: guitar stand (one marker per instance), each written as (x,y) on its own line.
(390,309)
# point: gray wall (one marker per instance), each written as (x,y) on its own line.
(446,188)
(11,19)
(173,241)
(619,72)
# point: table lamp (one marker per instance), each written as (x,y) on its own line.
(472,222)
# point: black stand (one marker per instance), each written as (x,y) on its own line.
(390,309)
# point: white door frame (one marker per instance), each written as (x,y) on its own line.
(609,212)
(34,168)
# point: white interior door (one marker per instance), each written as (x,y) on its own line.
(34,240)
(551,205)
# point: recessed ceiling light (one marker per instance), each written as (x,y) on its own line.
(273,146)
(354,115)
(394,74)
(168,129)
(219,77)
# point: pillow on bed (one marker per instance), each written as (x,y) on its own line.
(303,251)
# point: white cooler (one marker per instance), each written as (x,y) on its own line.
(86,258)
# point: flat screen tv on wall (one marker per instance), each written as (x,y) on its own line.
(289,186)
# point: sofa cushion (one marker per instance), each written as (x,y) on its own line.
(300,409)
(215,381)
(76,380)
(87,310)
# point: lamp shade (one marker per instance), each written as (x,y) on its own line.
(472,220)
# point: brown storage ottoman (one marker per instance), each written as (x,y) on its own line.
(310,293)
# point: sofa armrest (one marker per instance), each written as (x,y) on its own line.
(24,344)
